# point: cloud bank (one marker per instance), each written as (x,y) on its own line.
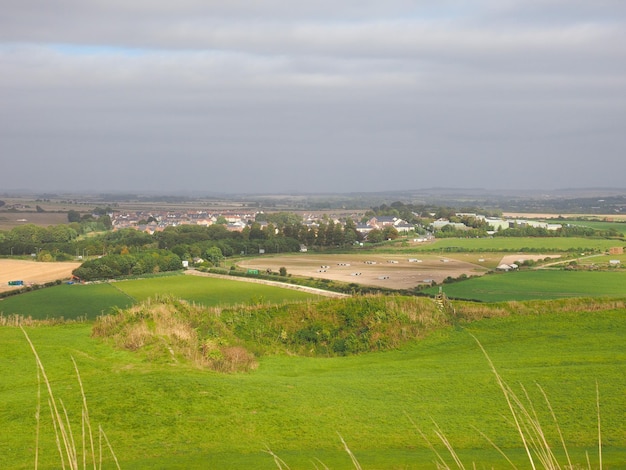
(277,96)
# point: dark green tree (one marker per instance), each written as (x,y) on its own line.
(73,216)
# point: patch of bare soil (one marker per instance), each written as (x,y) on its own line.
(32,272)
(392,271)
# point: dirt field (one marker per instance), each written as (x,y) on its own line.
(393,271)
(32,272)
(9,220)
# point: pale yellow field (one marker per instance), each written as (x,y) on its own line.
(33,272)
(392,271)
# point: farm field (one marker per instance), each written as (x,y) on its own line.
(9,220)
(598,225)
(210,291)
(393,271)
(91,300)
(542,216)
(33,272)
(517,244)
(66,301)
(538,284)
(176,416)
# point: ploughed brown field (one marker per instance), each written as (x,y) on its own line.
(9,220)
(393,271)
(32,272)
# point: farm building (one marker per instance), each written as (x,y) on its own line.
(616,250)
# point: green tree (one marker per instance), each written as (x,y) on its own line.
(214,255)
(390,233)
(73,216)
(106,221)
(375,236)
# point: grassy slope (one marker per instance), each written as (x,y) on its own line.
(178,417)
(539,284)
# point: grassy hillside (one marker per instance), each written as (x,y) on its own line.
(177,415)
(228,338)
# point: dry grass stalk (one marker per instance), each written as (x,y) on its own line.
(355,462)
(165,328)
(17,321)
(280,463)
(527,423)
(64,437)
(530,429)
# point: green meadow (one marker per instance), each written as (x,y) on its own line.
(66,301)
(619,227)
(177,416)
(515,244)
(91,300)
(538,284)
(172,414)
(210,291)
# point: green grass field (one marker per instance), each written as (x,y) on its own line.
(91,300)
(210,291)
(175,416)
(538,284)
(552,245)
(597,225)
(67,301)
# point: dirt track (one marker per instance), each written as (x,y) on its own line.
(32,272)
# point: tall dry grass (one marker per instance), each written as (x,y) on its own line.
(537,445)
(165,328)
(71,454)
(15,320)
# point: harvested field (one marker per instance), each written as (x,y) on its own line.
(392,271)
(32,272)
(9,220)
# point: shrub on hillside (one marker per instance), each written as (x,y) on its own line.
(168,329)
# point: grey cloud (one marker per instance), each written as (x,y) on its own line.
(311,95)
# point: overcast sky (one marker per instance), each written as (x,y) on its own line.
(311,96)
